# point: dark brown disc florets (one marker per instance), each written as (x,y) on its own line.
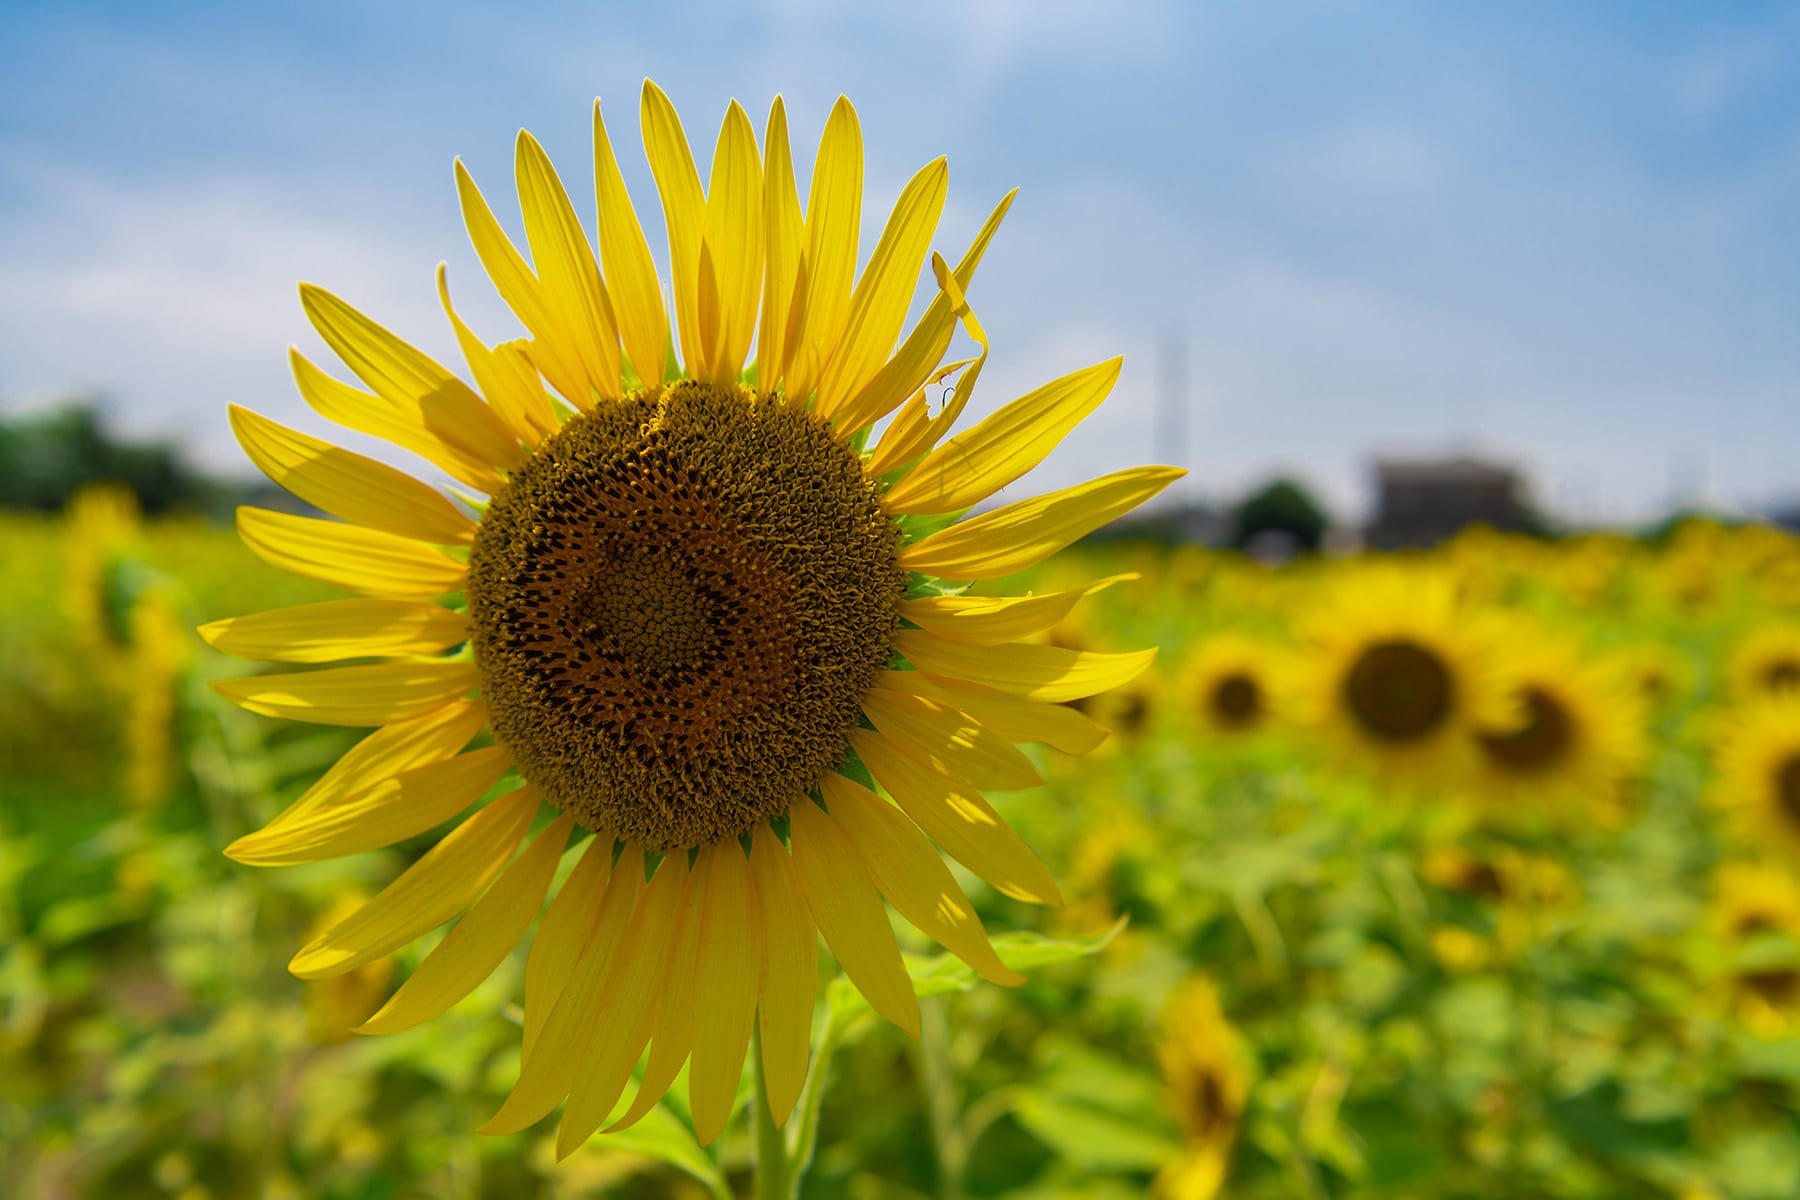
(678,604)
(1400,691)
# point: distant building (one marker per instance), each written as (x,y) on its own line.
(1423,501)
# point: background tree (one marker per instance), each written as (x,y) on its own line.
(1284,507)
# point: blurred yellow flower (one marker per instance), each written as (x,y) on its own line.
(1204,1069)
(1231,685)
(1755,897)
(1395,674)
(337,1005)
(1765,661)
(1757,772)
(1578,733)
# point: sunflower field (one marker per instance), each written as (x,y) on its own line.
(1458,873)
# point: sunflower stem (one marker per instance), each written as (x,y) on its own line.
(938,1076)
(774,1180)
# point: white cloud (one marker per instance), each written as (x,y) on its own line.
(178,300)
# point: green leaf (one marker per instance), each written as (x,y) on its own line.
(1597,1120)
(1026,951)
(944,973)
(1092,1138)
(662,1135)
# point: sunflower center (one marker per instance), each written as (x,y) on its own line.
(1399,690)
(1206,1108)
(1779,987)
(678,604)
(1236,700)
(1781,675)
(1540,743)
(1787,788)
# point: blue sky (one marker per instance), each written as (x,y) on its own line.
(1560,234)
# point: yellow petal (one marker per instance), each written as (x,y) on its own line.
(672,1033)
(476,944)
(552,1062)
(901,444)
(568,923)
(733,243)
(913,430)
(391,811)
(349,556)
(684,212)
(784,233)
(311,633)
(833,225)
(387,752)
(883,294)
(367,413)
(566,270)
(353,695)
(1013,718)
(725,1001)
(1024,668)
(974,465)
(415,386)
(623,1015)
(789,946)
(990,620)
(630,270)
(918,356)
(507,378)
(849,912)
(959,819)
(907,869)
(428,893)
(1021,535)
(950,740)
(512,277)
(358,489)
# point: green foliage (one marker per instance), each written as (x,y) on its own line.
(1282,506)
(45,459)
(1400,1036)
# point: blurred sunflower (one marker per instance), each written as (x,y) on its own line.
(1395,674)
(1757,772)
(1764,661)
(102,574)
(1660,673)
(1756,922)
(1576,738)
(1230,684)
(1203,1065)
(1754,897)
(1518,898)
(694,598)
(1128,712)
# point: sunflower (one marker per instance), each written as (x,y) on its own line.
(1230,684)
(1755,919)
(1128,713)
(1751,898)
(1395,674)
(1204,1070)
(698,609)
(1577,735)
(1661,674)
(1757,772)
(1765,661)
(1501,901)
